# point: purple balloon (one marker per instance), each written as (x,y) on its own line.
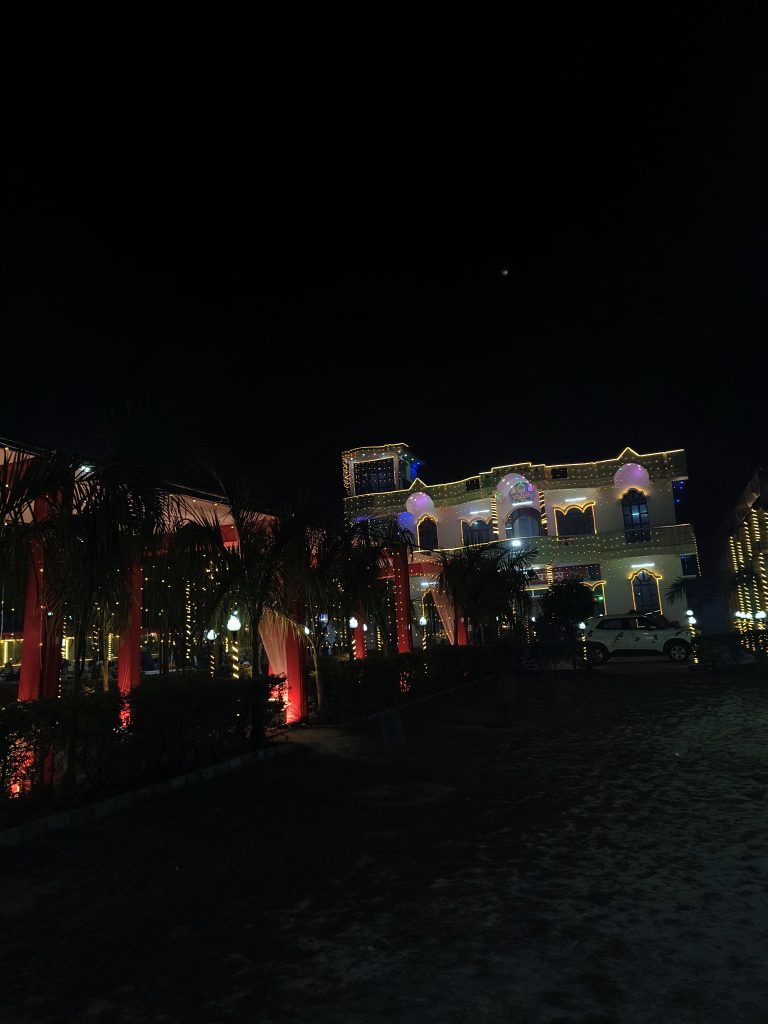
(631,474)
(515,487)
(420,504)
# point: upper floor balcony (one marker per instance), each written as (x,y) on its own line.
(656,540)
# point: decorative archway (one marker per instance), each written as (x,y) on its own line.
(634,506)
(426,532)
(523,522)
(575,520)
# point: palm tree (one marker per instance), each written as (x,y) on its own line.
(486,585)
(719,586)
(563,606)
(100,522)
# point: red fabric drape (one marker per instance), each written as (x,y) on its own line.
(129,653)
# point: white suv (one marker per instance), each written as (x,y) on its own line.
(635,634)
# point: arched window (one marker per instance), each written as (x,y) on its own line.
(427,533)
(634,505)
(645,592)
(575,522)
(476,532)
(523,522)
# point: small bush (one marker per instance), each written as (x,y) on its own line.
(724,650)
(355,689)
(166,725)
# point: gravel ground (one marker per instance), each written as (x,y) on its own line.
(599,854)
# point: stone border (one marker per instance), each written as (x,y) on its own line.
(112,805)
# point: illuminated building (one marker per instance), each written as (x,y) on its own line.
(27,638)
(617,525)
(747,554)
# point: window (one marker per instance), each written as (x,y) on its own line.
(427,533)
(559,473)
(473,484)
(645,592)
(374,475)
(523,522)
(574,522)
(634,505)
(635,508)
(622,624)
(476,532)
(689,565)
(642,623)
(680,495)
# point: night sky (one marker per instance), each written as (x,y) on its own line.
(547,265)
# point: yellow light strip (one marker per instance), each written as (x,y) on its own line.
(543,514)
(495,514)
(375,447)
(581,508)
(529,465)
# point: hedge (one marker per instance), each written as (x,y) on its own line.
(166,725)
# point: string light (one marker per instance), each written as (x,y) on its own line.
(578,489)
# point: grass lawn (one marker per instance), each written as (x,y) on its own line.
(600,856)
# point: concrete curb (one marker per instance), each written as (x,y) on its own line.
(115,804)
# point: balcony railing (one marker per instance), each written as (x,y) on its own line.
(612,544)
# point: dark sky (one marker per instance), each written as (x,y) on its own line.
(302,276)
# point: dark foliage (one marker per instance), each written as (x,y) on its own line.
(354,689)
(169,725)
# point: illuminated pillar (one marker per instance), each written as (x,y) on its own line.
(359,637)
(295,678)
(129,654)
(402,600)
(32,648)
(461,633)
(51,669)
(41,651)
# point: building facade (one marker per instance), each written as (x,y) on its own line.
(618,525)
(747,556)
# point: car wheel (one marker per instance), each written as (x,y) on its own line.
(596,654)
(677,651)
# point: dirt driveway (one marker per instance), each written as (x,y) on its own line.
(601,855)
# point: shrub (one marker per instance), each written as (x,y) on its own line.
(166,725)
(355,689)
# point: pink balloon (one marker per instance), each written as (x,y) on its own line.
(420,504)
(631,474)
